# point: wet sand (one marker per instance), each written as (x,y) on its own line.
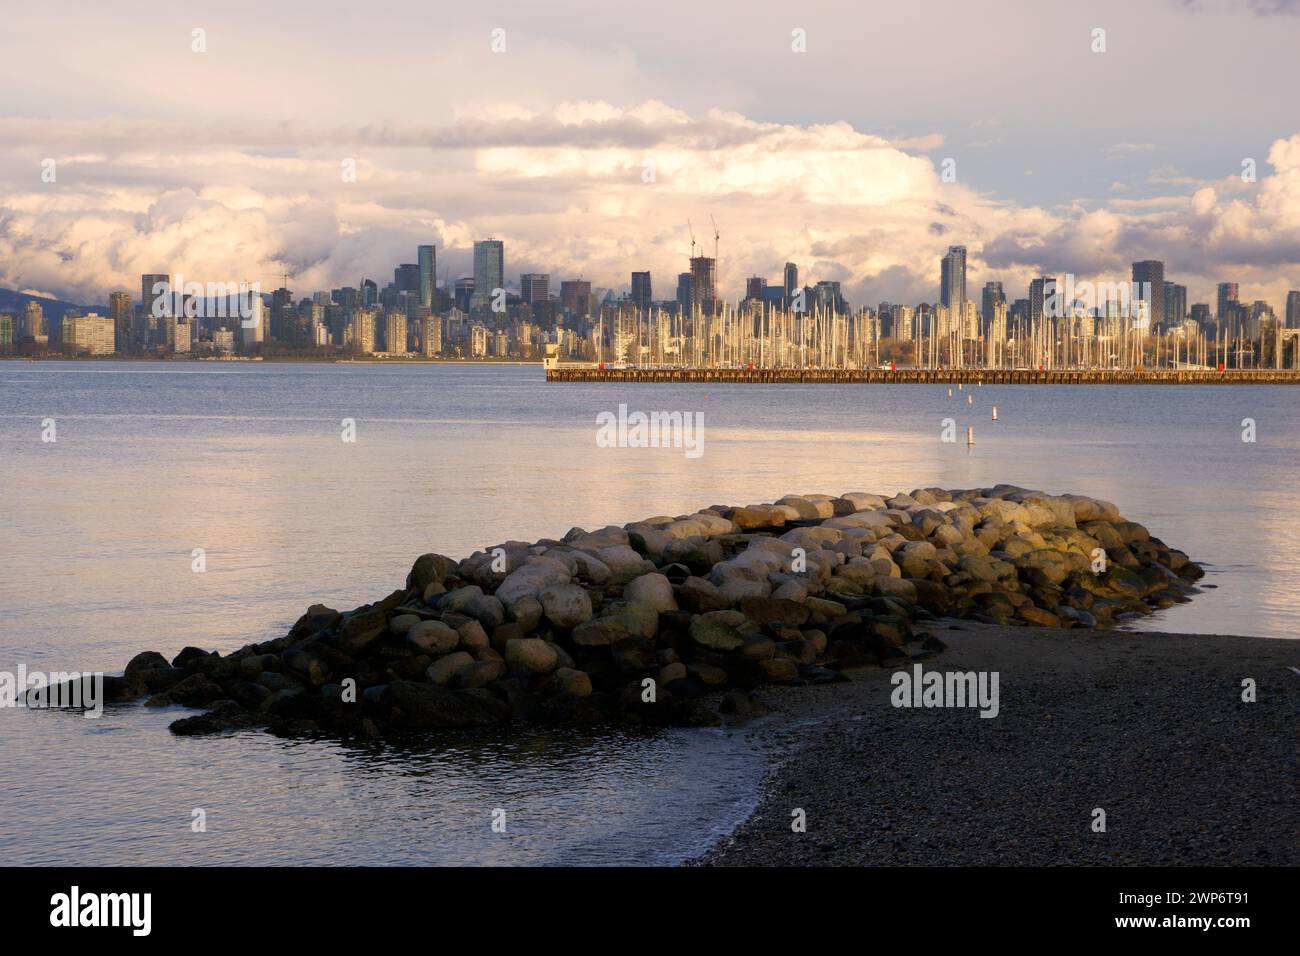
(1151,728)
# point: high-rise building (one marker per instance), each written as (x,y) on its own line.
(1201,316)
(361,332)
(7,321)
(153,287)
(489,268)
(91,334)
(463,292)
(902,323)
(993,295)
(1227,294)
(641,296)
(178,335)
(791,278)
(119,310)
(1175,304)
(407,278)
(1149,288)
(535,287)
(395,333)
(428,264)
(283,322)
(684,294)
(252,327)
(754,287)
(575,296)
(704,282)
(1042,291)
(1293,310)
(952,280)
(34,324)
(430,336)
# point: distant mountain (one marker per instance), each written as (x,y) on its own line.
(54,309)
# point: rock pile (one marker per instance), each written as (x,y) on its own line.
(645,622)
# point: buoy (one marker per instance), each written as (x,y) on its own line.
(970,434)
(995,413)
(959,386)
(970,399)
(950,393)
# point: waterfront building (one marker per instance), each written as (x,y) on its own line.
(92,334)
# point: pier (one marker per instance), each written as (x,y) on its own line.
(919,376)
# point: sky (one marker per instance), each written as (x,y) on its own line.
(857,140)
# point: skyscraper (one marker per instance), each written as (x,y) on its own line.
(1041,293)
(535,287)
(641,296)
(704,282)
(1293,310)
(428,262)
(575,296)
(150,327)
(34,324)
(952,280)
(754,287)
(1175,304)
(993,296)
(395,333)
(1149,282)
(119,310)
(791,280)
(1227,295)
(489,268)
(407,278)
(684,294)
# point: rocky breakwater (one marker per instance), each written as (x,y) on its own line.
(673,620)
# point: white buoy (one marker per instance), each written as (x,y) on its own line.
(970,399)
(970,434)
(950,393)
(959,386)
(995,413)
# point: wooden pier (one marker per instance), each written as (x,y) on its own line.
(920,376)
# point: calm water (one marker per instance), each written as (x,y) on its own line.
(246,462)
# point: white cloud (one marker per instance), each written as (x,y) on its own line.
(565,189)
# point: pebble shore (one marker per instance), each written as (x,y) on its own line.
(676,620)
(1150,728)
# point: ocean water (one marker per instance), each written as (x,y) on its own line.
(246,462)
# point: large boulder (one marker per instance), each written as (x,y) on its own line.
(538,573)
(531,654)
(565,605)
(652,590)
(432,637)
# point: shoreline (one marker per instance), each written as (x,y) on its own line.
(1148,726)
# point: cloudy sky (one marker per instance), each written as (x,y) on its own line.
(600,130)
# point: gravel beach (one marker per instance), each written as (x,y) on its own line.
(1151,728)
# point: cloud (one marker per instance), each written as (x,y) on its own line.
(591,188)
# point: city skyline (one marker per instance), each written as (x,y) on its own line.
(1062,321)
(863,179)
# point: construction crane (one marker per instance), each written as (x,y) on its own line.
(283,276)
(692,232)
(715,237)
